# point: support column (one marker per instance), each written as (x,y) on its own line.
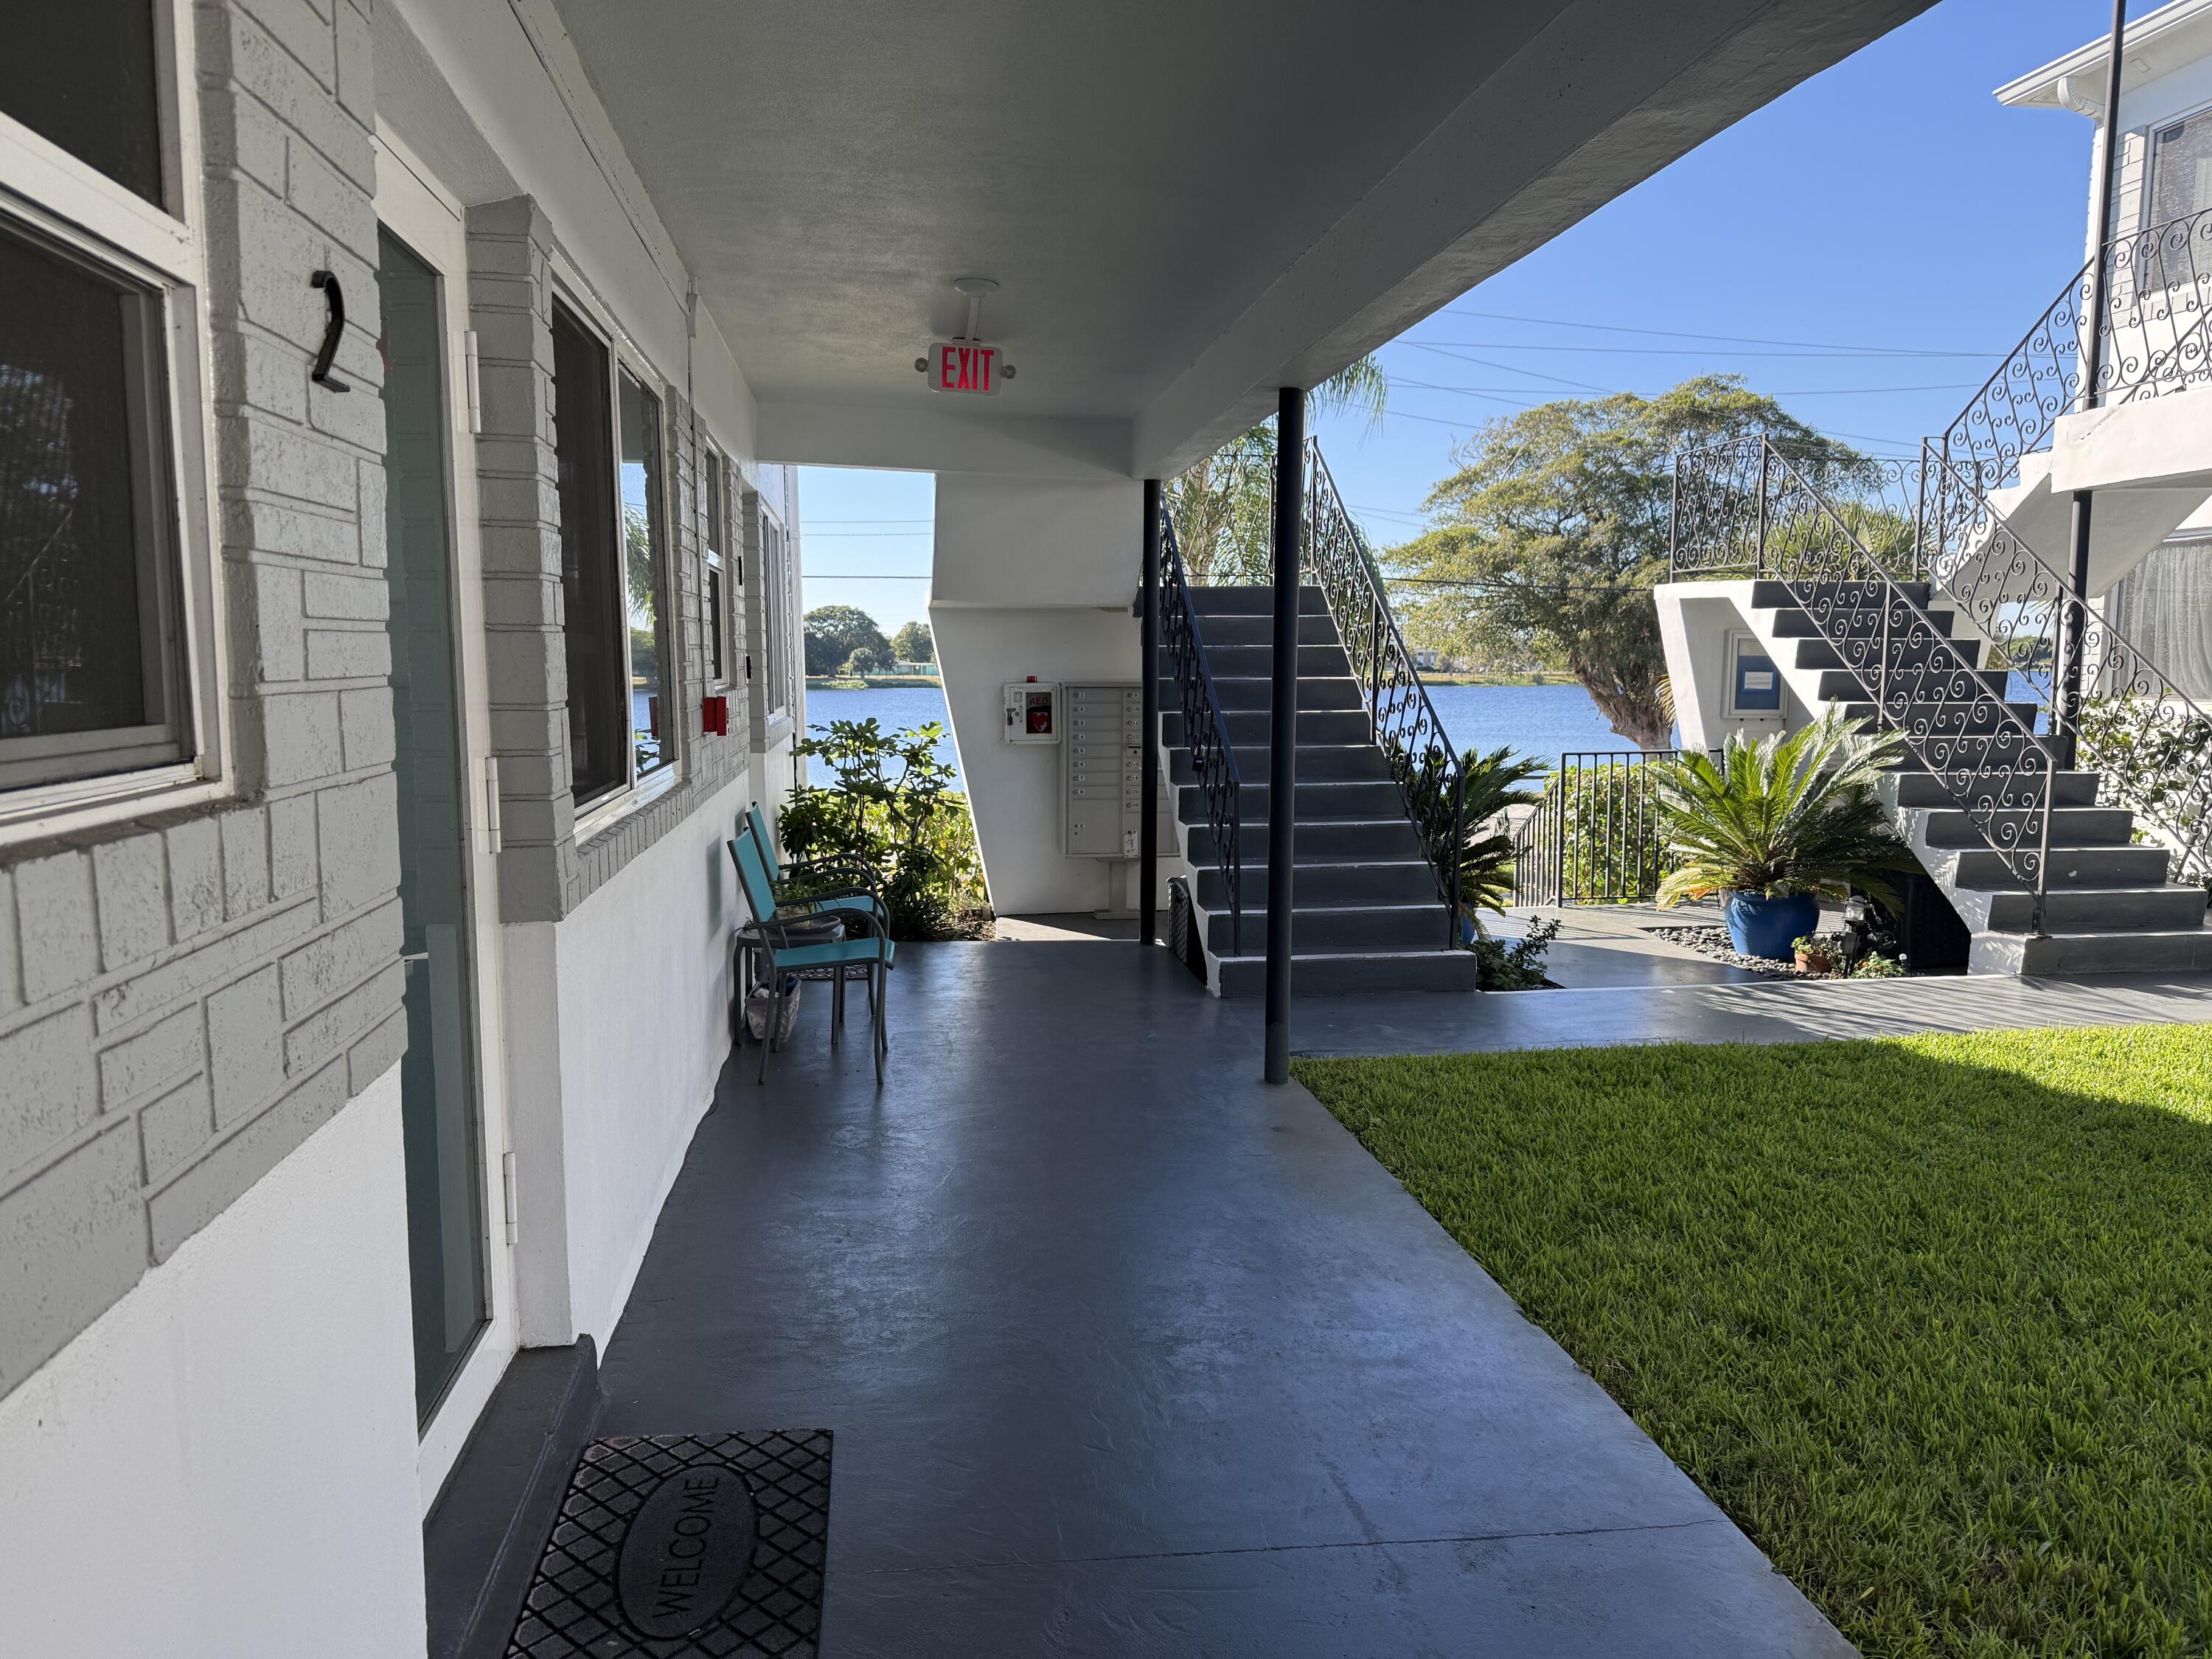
(1148,832)
(1283,725)
(2074,615)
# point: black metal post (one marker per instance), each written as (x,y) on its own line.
(1283,725)
(1148,829)
(2074,614)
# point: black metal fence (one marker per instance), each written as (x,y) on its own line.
(1595,838)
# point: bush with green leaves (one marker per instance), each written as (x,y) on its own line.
(2153,757)
(1515,965)
(891,807)
(1490,785)
(1788,815)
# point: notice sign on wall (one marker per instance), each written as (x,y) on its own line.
(965,366)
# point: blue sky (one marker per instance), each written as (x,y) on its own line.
(1884,233)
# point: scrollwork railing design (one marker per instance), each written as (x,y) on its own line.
(1958,720)
(1205,731)
(1431,774)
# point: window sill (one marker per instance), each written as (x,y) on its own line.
(42,811)
(603,816)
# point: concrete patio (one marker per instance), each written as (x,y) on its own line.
(1126,1354)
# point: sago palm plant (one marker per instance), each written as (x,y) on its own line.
(1491,783)
(1786,816)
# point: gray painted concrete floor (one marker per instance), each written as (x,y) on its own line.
(1127,1353)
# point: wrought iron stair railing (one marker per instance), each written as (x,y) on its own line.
(1744,508)
(1205,732)
(1430,774)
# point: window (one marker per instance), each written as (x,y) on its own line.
(776,597)
(592,616)
(651,701)
(614,560)
(101,618)
(2181,171)
(717,602)
(86,76)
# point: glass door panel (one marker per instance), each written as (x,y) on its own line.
(445,1172)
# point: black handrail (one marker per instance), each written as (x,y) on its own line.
(1205,732)
(1431,774)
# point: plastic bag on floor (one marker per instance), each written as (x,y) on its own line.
(760,1007)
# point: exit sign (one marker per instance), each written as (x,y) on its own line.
(965,366)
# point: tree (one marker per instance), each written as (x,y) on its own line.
(868,661)
(1550,535)
(835,632)
(912,643)
(1223,507)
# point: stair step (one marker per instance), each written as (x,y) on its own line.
(1251,601)
(1771,595)
(1353,973)
(1978,755)
(1341,762)
(2070,866)
(1329,929)
(1793,622)
(1256,628)
(1320,841)
(1823,653)
(2180,949)
(1316,801)
(1252,727)
(1258,661)
(1842,685)
(1911,784)
(1392,881)
(2116,910)
(1258,691)
(1973,717)
(2071,826)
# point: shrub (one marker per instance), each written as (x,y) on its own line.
(1514,965)
(890,808)
(1879,968)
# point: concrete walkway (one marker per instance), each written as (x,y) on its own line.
(1127,1354)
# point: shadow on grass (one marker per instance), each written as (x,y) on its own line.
(1930,1317)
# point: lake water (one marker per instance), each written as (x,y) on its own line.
(1543,720)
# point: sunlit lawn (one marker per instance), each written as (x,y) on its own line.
(1932,1318)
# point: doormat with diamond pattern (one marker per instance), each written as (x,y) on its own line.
(686,1547)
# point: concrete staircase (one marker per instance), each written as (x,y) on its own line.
(2110,907)
(1367,912)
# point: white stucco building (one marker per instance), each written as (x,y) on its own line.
(399,406)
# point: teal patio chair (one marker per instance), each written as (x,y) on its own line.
(863,896)
(769,937)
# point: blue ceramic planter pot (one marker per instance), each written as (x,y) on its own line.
(1763,926)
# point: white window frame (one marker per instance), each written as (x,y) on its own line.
(46,189)
(777,700)
(718,501)
(1738,639)
(623,354)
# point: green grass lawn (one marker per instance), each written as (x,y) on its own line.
(1932,1318)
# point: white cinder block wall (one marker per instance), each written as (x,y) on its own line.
(203,1276)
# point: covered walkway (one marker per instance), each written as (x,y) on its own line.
(1126,1354)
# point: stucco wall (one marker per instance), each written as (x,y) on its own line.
(223,1464)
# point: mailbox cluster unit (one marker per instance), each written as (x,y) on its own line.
(1104,766)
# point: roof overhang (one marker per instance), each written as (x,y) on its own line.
(2169,38)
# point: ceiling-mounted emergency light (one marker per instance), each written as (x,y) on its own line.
(965,363)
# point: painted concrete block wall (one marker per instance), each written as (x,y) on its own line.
(1032,576)
(223,1464)
(185,998)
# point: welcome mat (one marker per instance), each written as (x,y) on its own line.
(673,1546)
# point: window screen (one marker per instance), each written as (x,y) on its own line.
(90,659)
(82,74)
(651,679)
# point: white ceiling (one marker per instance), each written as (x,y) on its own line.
(1141,176)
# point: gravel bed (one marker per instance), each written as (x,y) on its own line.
(1714,942)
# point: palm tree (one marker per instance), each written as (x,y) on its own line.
(1490,784)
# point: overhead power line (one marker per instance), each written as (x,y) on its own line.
(1728,339)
